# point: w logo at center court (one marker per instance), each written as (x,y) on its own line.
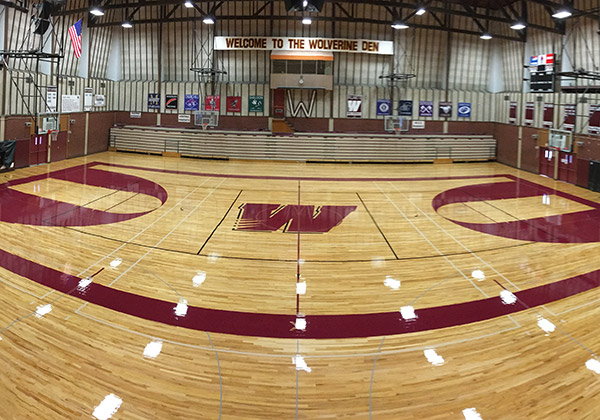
(290,218)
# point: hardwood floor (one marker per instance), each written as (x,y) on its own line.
(432,291)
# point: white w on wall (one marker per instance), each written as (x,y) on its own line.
(295,110)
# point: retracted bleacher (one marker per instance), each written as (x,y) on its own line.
(303,147)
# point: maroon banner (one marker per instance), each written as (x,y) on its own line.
(212,103)
(512,113)
(570,113)
(548,115)
(234,104)
(529,112)
(594,125)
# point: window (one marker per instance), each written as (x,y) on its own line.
(309,67)
(324,67)
(279,66)
(294,66)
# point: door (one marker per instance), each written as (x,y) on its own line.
(279,103)
(38,149)
(567,168)
(547,162)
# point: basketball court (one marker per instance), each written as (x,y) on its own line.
(367,297)
(299,210)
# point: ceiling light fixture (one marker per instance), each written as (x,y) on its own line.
(486,36)
(209,20)
(96,11)
(517,26)
(306,21)
(127,24)
(420,11)
(188,4)
(399,25)
(562,13)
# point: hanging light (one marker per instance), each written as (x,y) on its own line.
(306,21)
(518,25)
(127,24)
(209,20)
(421,11)
(97,11)
(399,25)
(188,4)
(562,13)
(486,36)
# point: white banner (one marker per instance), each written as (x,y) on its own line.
(71,103)
(88,97)
(305,44)
(354,109)
(100,100)
(51,98)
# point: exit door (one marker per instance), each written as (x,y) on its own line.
(279,103)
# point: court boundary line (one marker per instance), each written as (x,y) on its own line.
(220,222)
(377,226)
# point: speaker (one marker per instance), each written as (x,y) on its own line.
(40,26)
(594,176)
(298,5)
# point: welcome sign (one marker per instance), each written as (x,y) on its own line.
(366,46)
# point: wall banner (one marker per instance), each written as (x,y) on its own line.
(212,103)
(71,103)
(548,115)
(426,109)
(464,110)
(234,104)
(445,109)
(366,46)
(384,107)
(594,125)
(88,99)
(191,103)
(256,104)
(405,108)
(512,113)
(354,109)
(171,102)
(154,101)
(51,98)
(529,113)
(570,114)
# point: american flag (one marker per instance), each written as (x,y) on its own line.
(75,33)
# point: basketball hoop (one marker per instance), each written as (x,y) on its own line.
(397,130)
(205,125)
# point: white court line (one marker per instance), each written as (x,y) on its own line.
(431,243)
(560,329)
(328,356)
(454,238)
(178,204)
(163,238)
(108,255)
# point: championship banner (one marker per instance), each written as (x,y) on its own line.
(512,113)
(234,104)
(88,98)
(366,46)
(570,114)
(171,102)
(51,98)
(256,104)
(594,125)
(405,108)
(548,115)
(426,109)
(191,103)
(384,107)
(445,109)
(529,112)
(212,103)
(154,101)
(354,109)
(464,110)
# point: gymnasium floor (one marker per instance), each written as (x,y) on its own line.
(196,289)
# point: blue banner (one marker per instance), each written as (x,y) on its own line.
(384,107)
(192,103)
(154,101)
(464,110)
(405,108)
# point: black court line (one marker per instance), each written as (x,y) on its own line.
(122,201)
(219,224)
(376,225)
(229,257)
(45,221)
(477,211)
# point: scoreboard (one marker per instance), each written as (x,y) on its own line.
(542,76)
